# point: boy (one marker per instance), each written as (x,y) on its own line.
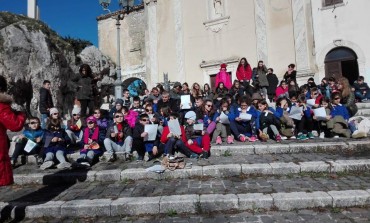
(362,91)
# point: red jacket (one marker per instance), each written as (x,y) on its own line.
(166,130)
(244,74)
(13,121)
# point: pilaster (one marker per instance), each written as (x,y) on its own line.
(261,33)
(151,42)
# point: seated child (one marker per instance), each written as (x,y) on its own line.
(32,132)
(268,122)
(222,131)
(75,126)
(90,144)
(340,116)
(55,142)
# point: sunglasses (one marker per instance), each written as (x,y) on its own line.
(32,123)
(336,98)
(55,113)
(96,112)
(76,114)
(90,123)
(315,93)
(144,119)
(148,110)
(209,106)
(118,116)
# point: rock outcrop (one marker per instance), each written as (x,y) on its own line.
(30,52)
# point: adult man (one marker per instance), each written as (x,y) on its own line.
(46,102)
(175,93)
(167,101)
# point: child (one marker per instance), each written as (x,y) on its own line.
(362,90)
(222,131)
(324,130)
(91,141)
(245,129)
(136,105)
(130,116)
(305,124)
(75,126)
(34,133)
(282,113)
(101,121)
(118,138)
(268,121)
(55,142)
(139,136)
(340,117)
(198,142)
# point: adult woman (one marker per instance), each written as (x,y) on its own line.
(281,91)
(84,90)
(348,97)
(13,121)
(244,74)
(223,77)
(185,89)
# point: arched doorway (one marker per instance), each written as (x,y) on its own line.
(135,85)
(342,61)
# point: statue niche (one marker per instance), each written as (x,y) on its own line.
(218,8)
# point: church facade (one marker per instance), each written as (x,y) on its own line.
(189,39)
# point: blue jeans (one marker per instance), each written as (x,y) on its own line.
(44,118)
(360,96)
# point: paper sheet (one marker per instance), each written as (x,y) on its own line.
(311,102)
(245,116)
(174,127)
(296,112)
(320,113)
(152,132)
(79,123)
(185,102)
(29,146)
(198,126)
(224,119)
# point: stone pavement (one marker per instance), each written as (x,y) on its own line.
(267,180)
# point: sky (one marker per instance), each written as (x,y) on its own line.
(74,18)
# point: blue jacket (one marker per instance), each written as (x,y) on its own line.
(252,111)
(340,110)
(33,134)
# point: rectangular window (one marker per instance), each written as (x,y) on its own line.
(331,2)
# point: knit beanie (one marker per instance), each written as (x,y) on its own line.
(76,110)
(53,110)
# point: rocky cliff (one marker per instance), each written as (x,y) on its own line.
(30,52)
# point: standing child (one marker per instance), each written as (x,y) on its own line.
(55,142)
(268,122)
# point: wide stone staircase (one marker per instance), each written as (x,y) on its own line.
(249,179)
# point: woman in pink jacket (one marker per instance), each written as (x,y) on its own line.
(223,77)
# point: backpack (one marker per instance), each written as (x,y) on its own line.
(173,164)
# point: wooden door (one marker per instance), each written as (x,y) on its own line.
(333,69)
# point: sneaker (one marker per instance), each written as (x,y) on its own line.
(292,137)
(64,165)
(302,137)
(85,164)
(218,140)
(230,140)
(46,165)
(336,136)
(278,138)
(315,133)
(363,100)
(284,137)
(252,139)
(242,138)
(112,157)
(194,156)
(205,155)
(322,135)
(39,160)
(140,159)
(310,135)
(13,162)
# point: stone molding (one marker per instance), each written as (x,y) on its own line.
(213,67)
(179,44)
(215,25)
(261,33)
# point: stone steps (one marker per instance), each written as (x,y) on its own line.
(270,176)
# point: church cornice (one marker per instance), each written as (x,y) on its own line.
(121,11)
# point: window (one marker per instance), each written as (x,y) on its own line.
(331,2)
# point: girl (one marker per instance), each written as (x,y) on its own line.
(305,124)
(185,89)
(196,91)
(75,125)
(223,77)
(244,75)
(221,91)
(268,121)
(236,89)
(347,96)
(55,142)
(207,114)
(34,133)
(91,141)
(207,92)
(101,121)
(244,123)
(130,116)
(282,90)
(283,106)
(222,132)
(324,130)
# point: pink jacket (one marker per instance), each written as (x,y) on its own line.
(279,91)
(224,77)
(130,118)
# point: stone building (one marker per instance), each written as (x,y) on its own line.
(189,39)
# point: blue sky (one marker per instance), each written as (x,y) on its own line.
(74,18)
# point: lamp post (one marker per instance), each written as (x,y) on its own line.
(127,5)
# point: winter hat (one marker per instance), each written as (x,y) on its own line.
(53,110)
(190,115)
(119,101)
(223,65)
(91,119)
(76,110)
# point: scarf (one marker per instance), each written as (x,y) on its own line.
(94,137)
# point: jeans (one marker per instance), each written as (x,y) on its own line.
(361,96)
(59,154)
(112,146)
(44,118)
(74,138)
(89,156)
